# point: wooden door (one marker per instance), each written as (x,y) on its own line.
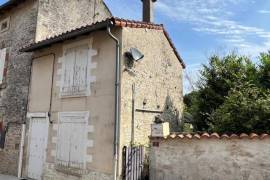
(37,146)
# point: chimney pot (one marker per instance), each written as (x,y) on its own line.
(148,10)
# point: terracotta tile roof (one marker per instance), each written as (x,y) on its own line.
(101,25)
(212,136)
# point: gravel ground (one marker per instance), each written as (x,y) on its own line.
(5,177)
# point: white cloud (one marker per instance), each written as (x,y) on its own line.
(264,11)
(215,17)
(191,77)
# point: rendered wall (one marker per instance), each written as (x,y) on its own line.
(213,159)
(29,21)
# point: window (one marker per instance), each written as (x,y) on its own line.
(72,137)
(75,72)
(2,135)
(4,25)
(3,55)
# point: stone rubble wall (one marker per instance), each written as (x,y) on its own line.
(14,89)
(58,16)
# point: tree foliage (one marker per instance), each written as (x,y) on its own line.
(233,95)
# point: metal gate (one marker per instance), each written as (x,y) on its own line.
(133,163)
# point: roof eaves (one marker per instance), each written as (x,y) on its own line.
(174,48)
(137,24)
(107,7)
(10,4)
(114,21)
(66,36)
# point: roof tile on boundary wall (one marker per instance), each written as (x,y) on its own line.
(200,136)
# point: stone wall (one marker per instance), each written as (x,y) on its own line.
(14,90)
(211,159)
(158,84)
(57,16)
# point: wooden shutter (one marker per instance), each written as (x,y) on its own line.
(77,147)
(71,145)
(3,54)
(75,72)
(81,69)
(68,72)
(63,143)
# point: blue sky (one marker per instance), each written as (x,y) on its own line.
(200,28)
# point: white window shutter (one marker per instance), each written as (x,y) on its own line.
(3,54)
(75,80)
(77,148)
(72,136)
(67,81)
(81,69)
(63,144)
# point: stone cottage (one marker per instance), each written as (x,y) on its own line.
(22,22)
(94,90)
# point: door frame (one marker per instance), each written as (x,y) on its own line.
(30,116)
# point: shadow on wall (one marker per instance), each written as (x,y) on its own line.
(171,114)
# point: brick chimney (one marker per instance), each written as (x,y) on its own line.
(148,10)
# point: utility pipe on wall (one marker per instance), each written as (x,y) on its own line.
(21,152)
(117,102)
(133,115)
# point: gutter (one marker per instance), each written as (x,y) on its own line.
(117,102)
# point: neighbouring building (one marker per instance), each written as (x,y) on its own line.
(23,22)
(94,90)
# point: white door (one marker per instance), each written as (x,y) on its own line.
(37,148)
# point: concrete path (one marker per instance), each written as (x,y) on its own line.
(5,177)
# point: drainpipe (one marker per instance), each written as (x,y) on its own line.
(133,115)
(117,102)
(21,152)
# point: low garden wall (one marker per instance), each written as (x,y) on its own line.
(210,157)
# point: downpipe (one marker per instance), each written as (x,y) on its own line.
(21,152)
(117,103)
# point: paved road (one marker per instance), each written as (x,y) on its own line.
(4,177)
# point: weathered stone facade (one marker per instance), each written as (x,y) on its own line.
(32,20)
(210,158)
(158,81)
(158,85)
(57,16)
(14,90)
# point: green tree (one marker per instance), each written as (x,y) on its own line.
(227,85)
(246,109)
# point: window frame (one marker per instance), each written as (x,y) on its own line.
(3,65)
(6,20)
(66,48)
